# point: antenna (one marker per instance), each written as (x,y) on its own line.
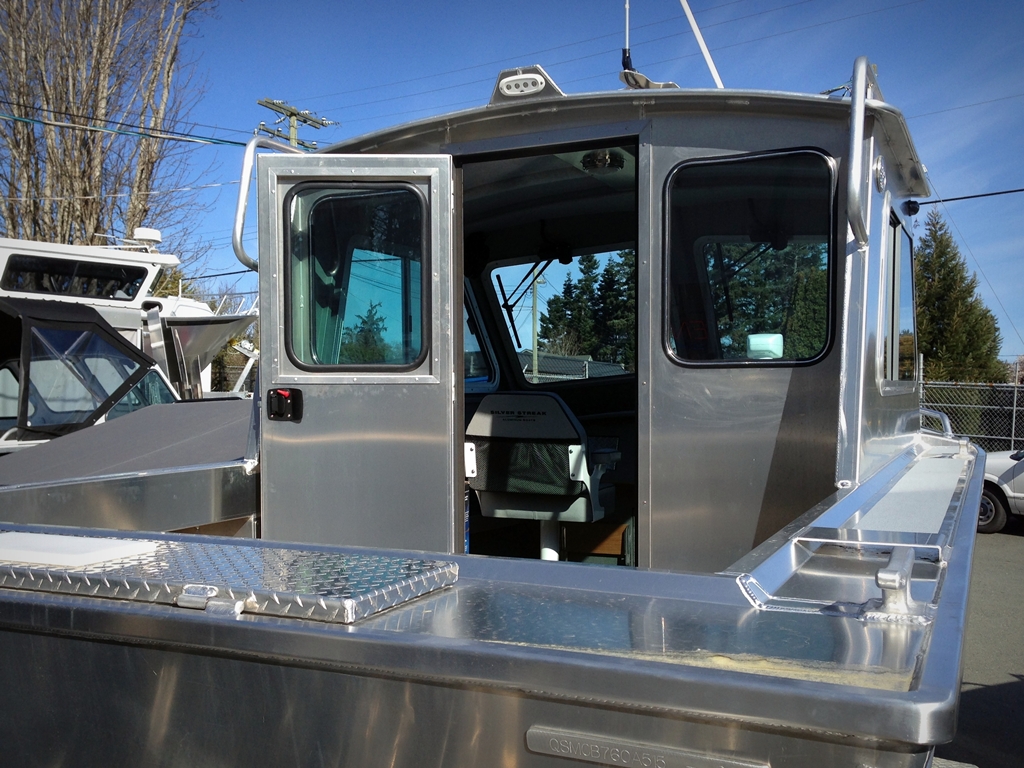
(700,41)
(633,79)
(627,62)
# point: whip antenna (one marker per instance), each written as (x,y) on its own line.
(696,33)
(627,62)
(628,75)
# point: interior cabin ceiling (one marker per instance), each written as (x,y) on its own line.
(525,205)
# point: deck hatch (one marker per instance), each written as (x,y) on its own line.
(321,586)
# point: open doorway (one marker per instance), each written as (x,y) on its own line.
(551,273)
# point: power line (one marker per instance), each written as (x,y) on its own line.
(970,197)
(573,60)
(977,263)
(138,134)
(182,136)
(220,274)
(967,106)
(115,122)
(457,104)
(194,188)
(674,19)
(799,29)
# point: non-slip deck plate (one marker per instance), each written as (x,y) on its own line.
(299,583)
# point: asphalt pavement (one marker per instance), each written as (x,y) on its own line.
(990,727)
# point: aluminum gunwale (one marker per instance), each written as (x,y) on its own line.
(87,479)
(922,716)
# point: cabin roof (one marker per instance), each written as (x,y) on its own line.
(621,111)
(89,252)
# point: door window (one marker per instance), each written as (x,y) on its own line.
(356,277)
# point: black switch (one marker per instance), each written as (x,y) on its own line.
(284,405)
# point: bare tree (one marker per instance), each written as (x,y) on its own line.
(83,85)
(565,342)
(1015,370)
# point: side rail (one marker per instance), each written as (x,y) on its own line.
(899,526)
(257,142)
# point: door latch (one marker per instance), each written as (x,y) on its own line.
(284,404)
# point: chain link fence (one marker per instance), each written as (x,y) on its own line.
(991,415)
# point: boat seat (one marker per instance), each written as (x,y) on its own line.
(532,460)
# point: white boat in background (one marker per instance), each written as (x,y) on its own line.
(182,334)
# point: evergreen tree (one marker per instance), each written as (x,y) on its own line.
(616,311)
(365,343)
(956,332)
(805,326)
(556,332)
(761,288)
(595,315)
(584,309)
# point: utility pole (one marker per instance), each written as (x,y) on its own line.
(537,280)
(294,116)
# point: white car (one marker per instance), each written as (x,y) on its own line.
(1004,490)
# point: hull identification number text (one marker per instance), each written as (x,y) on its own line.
(605,751)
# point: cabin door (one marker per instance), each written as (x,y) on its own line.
(357,354)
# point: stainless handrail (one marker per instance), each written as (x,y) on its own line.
(248,159)
(863,87)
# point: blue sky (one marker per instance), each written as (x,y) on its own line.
(955,69)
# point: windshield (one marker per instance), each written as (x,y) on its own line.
(71,373)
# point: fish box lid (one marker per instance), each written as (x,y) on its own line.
(220,578)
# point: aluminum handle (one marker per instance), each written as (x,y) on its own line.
(243,194)
(864,86)
(947,425)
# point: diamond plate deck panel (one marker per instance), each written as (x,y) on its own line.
(297,583)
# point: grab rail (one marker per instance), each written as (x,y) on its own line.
(243,194)
(863,86)
(947,425)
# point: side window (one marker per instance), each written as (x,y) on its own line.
(35,274)
(356,277)
(479,368)
(8,399)
(899,345)
(749,258)
(570,317)
(71,373)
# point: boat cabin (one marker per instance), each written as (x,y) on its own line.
(637,328)
(117,281)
